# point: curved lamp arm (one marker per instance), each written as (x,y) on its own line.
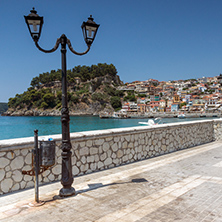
(51,50)
(73,51)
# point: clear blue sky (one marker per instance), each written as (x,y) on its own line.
(160,39)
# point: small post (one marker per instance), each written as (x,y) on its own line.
(36,165)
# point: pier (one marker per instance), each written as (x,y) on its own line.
(164,115)
(175,115)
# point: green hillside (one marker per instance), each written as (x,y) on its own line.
(87,85)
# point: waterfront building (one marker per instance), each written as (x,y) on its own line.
(141,100)
(142,108)
(197,107)
(133,107)
(162,103)
(168,109)
(126,107)
(175,107)
(176,98)
(187,98)
(154,105)
(162,107)
(169,102)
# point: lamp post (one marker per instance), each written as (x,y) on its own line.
(89,28)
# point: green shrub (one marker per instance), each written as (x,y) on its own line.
(75,99)
(44,105)
(116,102)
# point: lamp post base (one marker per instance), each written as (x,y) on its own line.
(66,192)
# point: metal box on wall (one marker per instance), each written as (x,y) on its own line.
(47,153)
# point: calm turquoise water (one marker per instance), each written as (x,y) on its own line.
(18,127)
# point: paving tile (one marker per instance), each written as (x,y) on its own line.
(181,186)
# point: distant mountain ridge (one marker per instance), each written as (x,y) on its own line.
(3,107)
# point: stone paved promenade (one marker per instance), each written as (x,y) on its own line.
(181,186)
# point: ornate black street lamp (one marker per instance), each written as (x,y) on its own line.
(89,28)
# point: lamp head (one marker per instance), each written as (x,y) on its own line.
(89,29)
(34,23)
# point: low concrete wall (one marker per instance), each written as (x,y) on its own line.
(102,149)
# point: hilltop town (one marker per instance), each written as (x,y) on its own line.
(193,95)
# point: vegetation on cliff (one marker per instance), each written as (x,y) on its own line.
(88,86)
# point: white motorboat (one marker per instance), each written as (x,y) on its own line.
(181,115)
(151,122)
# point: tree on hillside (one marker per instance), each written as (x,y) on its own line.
(113,91)
(116,102)
(183,104)
(100,97)
(83,72)
(48,101)
(35,82)
(130,97)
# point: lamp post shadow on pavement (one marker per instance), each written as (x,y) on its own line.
(89,28)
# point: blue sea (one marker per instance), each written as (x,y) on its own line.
(19,127)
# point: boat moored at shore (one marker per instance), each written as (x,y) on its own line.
(152,122)
(181,115)
(115,115)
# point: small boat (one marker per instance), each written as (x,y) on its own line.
(120,115)
(116,115)
(152,122)
(181,115)
(105,115)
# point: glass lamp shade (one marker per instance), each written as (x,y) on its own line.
(89,29)
(34,23)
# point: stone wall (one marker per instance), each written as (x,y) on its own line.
(102,149)
(218,129)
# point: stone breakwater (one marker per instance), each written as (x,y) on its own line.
(102,149)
